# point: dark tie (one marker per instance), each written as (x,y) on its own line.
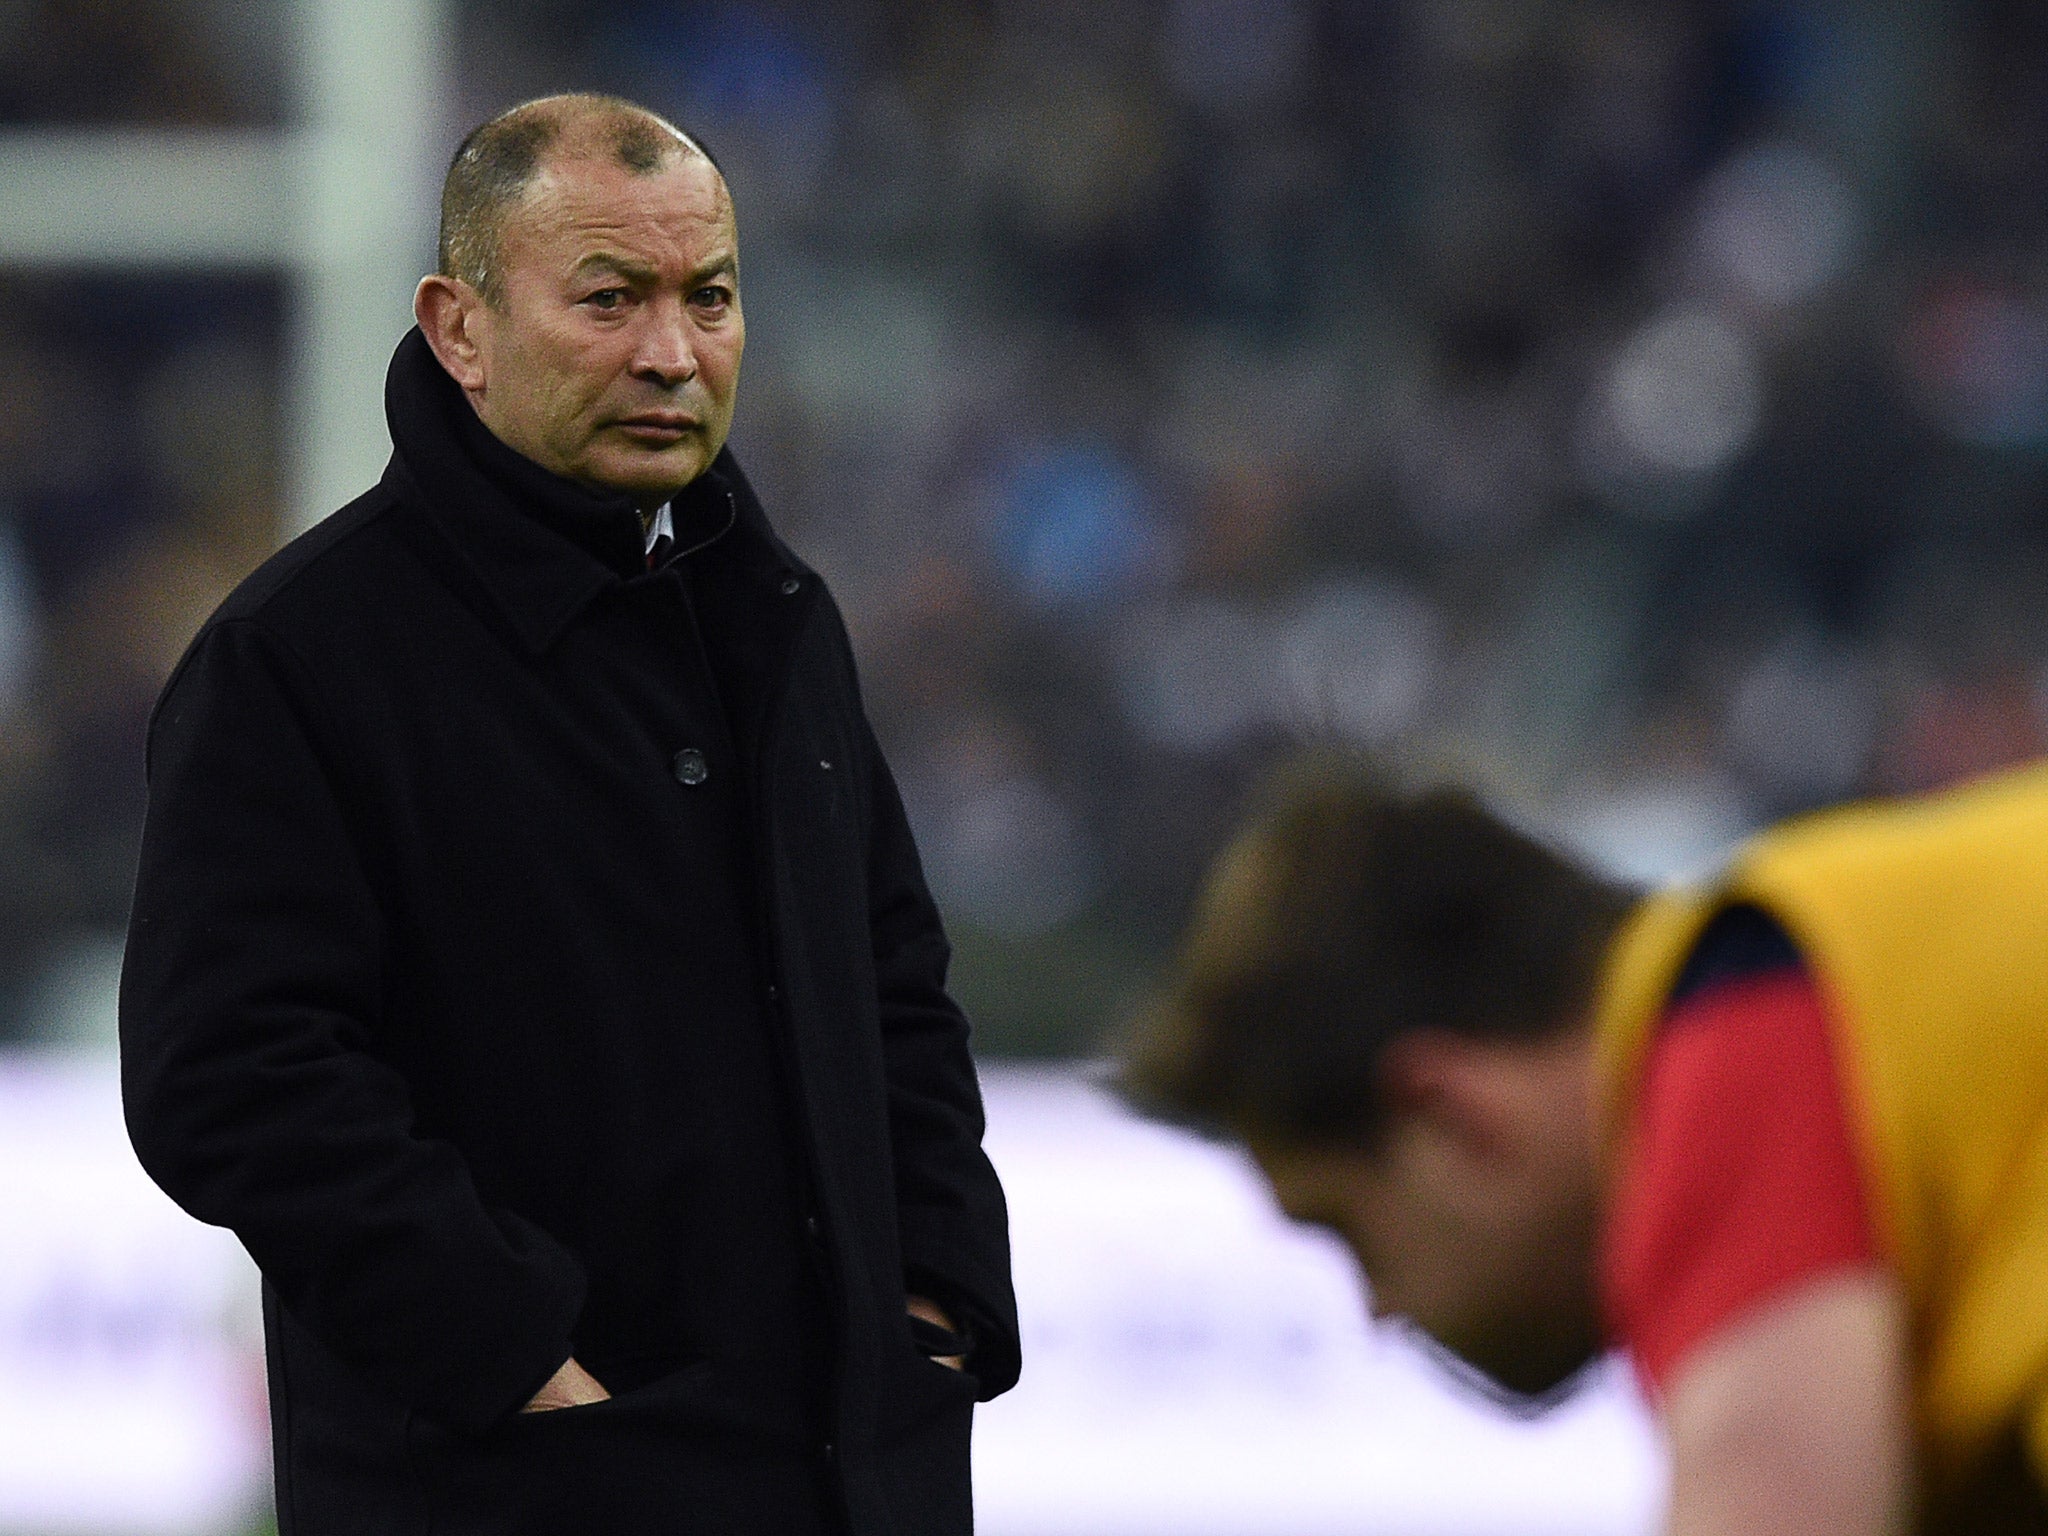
(664,545)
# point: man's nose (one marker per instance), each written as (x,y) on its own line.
(666,353)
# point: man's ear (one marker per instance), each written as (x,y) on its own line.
(1461,1088)
(450,313)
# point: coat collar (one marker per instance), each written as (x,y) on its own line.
(543,548)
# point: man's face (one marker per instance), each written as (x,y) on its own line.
(614,354)
(1495,1269)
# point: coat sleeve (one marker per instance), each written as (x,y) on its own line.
(254,1090)
(951,1213)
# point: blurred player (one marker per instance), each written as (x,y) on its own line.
(1784,1137)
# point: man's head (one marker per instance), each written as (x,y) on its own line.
(588,294)
(1384,996)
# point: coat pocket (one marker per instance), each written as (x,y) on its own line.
(624,1465)
(919,1389)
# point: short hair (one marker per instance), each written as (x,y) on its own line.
(1345,915)
(498,160)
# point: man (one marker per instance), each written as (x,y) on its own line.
(530,959)
(1784,1138)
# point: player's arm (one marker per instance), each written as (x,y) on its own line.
(1792,1418)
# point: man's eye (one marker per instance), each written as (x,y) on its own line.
(711,298)
(607,298)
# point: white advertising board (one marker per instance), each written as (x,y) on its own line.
(131,1367)
(1196,1366)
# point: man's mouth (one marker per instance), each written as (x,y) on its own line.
(657,427)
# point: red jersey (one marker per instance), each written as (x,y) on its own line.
(1741,1178)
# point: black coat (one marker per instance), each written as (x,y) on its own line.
(530,955)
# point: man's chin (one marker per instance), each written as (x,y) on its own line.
(649,478)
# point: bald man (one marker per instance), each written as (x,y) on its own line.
(530,961)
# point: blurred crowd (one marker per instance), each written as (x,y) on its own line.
(1641,409)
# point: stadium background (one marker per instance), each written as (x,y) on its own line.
(1639,408)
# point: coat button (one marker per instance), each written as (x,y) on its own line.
(690,767)
(813,1226)
(791,585)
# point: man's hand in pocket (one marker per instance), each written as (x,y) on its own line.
(570,1387)
(926,1310)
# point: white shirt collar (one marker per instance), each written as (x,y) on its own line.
(659,526)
